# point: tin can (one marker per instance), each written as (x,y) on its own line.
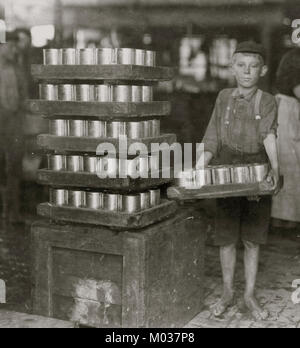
(150,58)
(189,179)
(180,179)
(66,93)
(147,94)
(52,56)
(58,127)
(258,172)
(120,203)
(77,128)
(154,128)
(86,56)
(91,164)
(145,201)
(105,56)
(137,94)
(77,199)
(96,129)
(122,94)
(75,164)
(140,57)
(240,175)
(101,197)
(125,56)
(116,129)
(68,56)
(147,129)
(154,198)
(203,177)
(49,92)
(123,169)
(135,130)
(133,169)
(144,167)
(58,197)
(111,202)
(93,200)
(154,163)
(103,93)
(85,93)
(132,204)
(57,162)
(111,166)
(221,176)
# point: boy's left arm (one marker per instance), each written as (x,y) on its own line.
(268,132)
(270,144)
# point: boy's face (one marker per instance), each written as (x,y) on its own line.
(248,69)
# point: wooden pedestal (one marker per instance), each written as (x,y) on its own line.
(100,278)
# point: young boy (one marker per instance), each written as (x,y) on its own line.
(243,130)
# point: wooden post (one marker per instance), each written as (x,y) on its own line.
(58,15)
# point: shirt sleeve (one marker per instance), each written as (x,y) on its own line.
(211,138)
(269,122)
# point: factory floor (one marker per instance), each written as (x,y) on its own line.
(279,267)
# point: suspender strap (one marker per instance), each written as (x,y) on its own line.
(229,107)
(258,98)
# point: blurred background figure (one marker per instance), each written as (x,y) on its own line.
(12,97)
(24,47)
(286,206)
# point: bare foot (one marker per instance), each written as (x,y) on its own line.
(223,304)
(255,308)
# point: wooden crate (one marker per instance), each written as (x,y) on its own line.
(89,180)
(102,111)
(118,220)
(100,278)
(101,73)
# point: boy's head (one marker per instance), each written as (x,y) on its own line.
(248,64)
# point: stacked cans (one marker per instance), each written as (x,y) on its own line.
(97,93)
(99,56)
(223,175)
(105,166)
(112,202)
(102,129)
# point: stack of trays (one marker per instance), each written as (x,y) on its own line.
(96,97)
(100,56)
(222,182)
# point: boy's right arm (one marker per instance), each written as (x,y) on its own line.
(210,140)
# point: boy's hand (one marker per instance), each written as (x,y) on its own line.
(273,178)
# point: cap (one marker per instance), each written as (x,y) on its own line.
(251,47)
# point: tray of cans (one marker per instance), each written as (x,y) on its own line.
(131,211)
(124,64)
(222,182)
(130,174)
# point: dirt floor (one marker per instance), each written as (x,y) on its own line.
(279,267)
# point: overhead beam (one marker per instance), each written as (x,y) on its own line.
(175,17)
